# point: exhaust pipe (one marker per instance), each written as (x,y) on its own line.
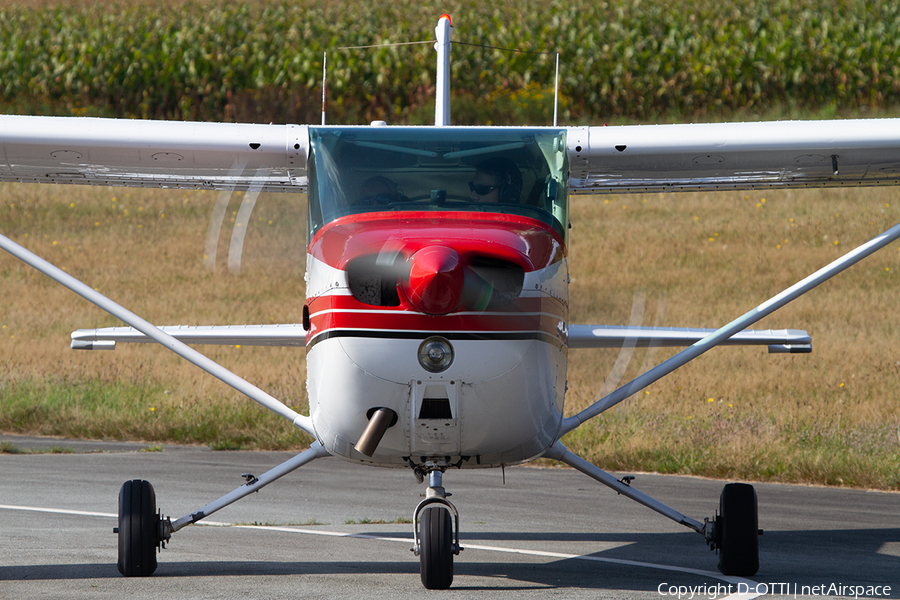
(379,422)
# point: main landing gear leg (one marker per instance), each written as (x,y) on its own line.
(733,532)
(142,531)
(435,543)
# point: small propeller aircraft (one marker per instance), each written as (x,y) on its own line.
(436,321)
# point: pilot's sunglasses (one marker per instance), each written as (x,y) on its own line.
(482,190)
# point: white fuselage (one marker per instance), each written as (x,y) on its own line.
(500,401)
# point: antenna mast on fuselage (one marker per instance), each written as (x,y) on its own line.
(443,33)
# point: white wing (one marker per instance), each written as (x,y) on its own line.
(224,156)
(636,158)
(645,158)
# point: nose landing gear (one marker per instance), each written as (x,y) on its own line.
(435,542)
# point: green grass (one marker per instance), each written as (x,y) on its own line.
(308,523)
(126,410)
(364,521)
(748,445)
(10,448)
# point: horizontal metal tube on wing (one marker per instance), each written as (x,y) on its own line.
(790,348)
(96,344)
(222,335)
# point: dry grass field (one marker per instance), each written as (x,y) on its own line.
(691,259)
(145,249)
(702,260)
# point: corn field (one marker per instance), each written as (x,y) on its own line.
(620,60)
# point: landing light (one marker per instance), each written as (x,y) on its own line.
(435,354)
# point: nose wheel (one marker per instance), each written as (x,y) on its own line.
(435,541)
(436,551)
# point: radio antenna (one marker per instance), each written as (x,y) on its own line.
(556,91)
(324,71)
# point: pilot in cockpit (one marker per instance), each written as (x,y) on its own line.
(497,179)
(379,191)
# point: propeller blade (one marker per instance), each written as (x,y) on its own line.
(242,223)
(218,215)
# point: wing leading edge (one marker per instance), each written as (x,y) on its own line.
(163,154)
(721,156)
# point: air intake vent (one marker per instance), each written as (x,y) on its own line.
(373,280)
(435,408)
(499,283)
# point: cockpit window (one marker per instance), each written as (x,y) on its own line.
(501,170)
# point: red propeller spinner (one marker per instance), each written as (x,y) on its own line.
(436,280)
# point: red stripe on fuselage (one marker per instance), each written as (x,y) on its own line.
(374,318)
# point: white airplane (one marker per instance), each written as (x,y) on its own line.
(436,321)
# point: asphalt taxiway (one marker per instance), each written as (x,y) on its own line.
(337,530)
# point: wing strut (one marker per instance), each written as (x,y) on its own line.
(722,334)
(166,340)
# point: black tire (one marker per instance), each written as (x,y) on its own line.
(738,530)
(436,552)
(138,529)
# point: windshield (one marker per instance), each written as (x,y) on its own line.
(494,170)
